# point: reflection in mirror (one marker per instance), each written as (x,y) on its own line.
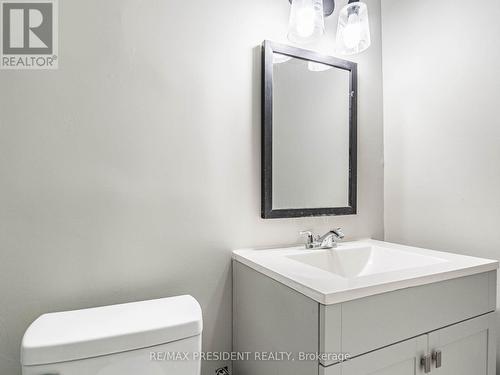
(309,134)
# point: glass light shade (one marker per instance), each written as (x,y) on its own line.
(307,22)
(353,32)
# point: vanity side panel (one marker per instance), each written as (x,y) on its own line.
(271,317)
(493,290)
(330,338)
(376,321)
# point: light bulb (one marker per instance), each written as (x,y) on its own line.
(352,31)
(306,21)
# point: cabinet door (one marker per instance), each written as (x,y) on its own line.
(467,348)
(399,359)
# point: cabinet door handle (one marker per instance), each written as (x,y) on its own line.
(425,361)
(437,357)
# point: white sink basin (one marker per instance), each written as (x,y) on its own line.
(364,260)
(359,269)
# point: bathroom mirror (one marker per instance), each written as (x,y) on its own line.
(308,133)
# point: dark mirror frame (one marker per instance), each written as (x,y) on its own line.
(267,211)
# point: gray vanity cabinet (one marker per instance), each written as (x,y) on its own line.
(449,324)
(383,319)
(465,348)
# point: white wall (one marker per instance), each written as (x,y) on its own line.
(441,64)
(132,171)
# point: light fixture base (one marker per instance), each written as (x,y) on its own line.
(328,7)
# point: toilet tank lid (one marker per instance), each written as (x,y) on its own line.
(79,334)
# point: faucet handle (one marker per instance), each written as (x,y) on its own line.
(309,235)
(338,232)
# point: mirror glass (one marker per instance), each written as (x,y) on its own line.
(310,119)
(310,134)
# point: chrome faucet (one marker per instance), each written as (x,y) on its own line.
(326,241)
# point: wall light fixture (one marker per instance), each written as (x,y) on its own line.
(307,24)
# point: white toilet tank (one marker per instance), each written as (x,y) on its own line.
(147,338)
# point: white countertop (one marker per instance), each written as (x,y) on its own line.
(329,288)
